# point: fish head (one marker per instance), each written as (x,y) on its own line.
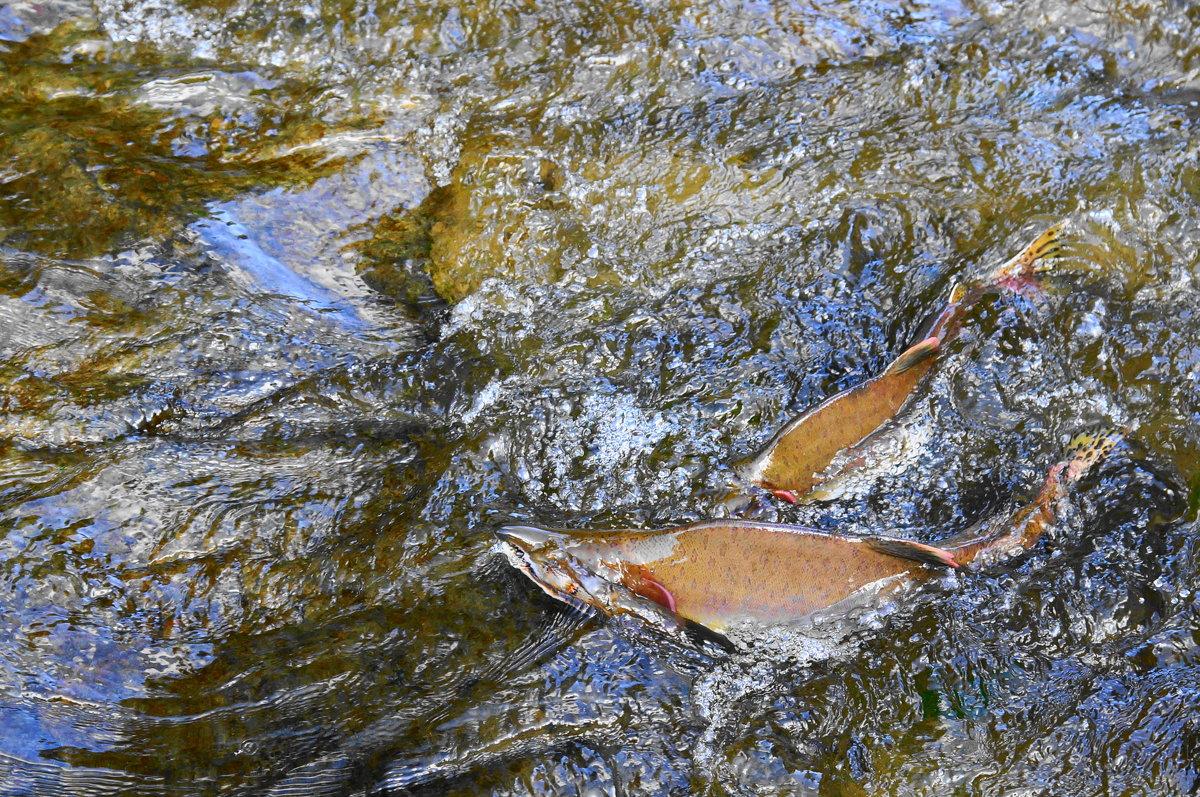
(546,556)
(530,539)
(579,574)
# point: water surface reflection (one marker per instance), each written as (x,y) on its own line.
(298,302)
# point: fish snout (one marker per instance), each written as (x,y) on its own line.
(528,538)
(539,554)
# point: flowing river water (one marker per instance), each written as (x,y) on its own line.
(299,301)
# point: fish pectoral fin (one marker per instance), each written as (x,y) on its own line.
(914,356)
(653,590)
(916,551)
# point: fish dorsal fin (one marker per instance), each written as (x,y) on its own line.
(914,356)
(916,551)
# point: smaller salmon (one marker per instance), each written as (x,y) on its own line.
(793,461)
(718,573)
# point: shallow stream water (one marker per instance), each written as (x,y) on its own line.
(300,301)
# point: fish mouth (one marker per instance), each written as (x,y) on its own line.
(518,544)
(517,556)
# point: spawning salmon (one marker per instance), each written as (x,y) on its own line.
(792,462)
(718,573)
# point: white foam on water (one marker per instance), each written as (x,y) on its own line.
(772,658)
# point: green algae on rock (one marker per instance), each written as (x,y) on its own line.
(497,217)
(90,164)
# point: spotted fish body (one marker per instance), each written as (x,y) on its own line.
(719,573)
(792,462)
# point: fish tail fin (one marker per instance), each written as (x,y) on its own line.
(916,551)
(914,356)
(1087,448)
(1028,523)
(1037,258)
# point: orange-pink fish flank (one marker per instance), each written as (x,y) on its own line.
(792,463)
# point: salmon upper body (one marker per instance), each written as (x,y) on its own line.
(720,572)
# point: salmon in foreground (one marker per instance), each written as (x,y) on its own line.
(718,573)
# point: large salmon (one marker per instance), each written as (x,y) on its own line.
(792,462)
(718,573)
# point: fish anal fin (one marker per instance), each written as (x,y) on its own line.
(702,635)
(916,551)
(914,356)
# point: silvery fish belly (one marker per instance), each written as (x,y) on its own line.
(895,449)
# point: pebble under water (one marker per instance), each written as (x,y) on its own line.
(300,301)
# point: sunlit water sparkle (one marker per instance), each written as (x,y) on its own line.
(298,302)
